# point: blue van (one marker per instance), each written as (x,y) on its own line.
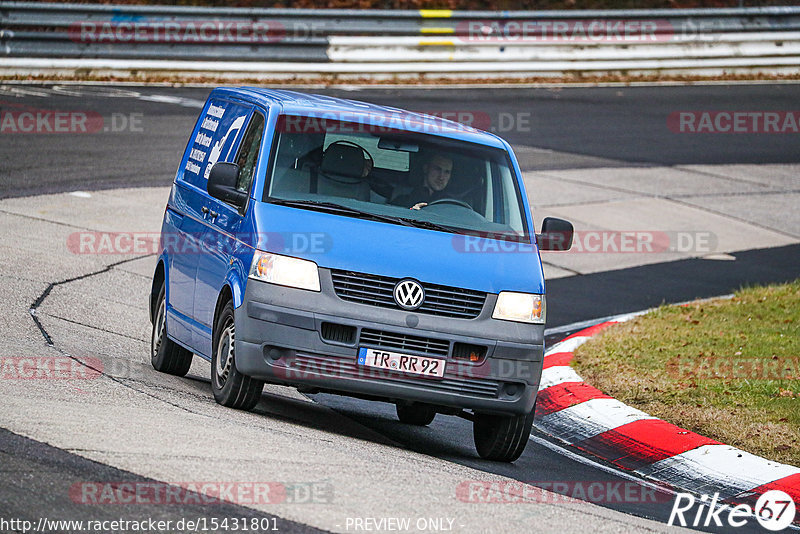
(343,247)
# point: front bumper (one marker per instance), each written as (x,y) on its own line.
(279,339)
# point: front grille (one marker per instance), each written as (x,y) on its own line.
(377,290)
(404,342)
(309,366)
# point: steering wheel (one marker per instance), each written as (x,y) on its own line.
(454,201)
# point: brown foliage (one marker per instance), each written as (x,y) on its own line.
(453,4)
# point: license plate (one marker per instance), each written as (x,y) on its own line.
(403,363)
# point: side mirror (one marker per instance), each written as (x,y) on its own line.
(556,234)
(222,184)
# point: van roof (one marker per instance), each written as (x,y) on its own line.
(296,103)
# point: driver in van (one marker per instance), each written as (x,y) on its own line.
(437,170)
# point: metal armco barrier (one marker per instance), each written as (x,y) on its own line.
(42,38)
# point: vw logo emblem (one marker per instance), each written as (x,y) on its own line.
(408,294)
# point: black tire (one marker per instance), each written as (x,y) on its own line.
(230,387)
(501,438)
(415,414)
(166,355)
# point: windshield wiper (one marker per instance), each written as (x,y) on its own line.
(346,210)
(428,225)
(338,208)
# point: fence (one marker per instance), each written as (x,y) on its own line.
(39,38)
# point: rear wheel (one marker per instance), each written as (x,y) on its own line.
(415,414)
(501,438)
(166,355)
(230,387)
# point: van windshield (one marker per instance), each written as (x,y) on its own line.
(392,175)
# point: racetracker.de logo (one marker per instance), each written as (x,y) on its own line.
(49,368)
(287,365)
(348,122)
(733,368)
(734,122)
(48,121)
(189,32)
(181,493)
(593,242)
(424,120)
(551,492)
(566,31)
(139,243)
(21,119)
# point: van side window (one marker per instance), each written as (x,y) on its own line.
(218,132)
(247,158)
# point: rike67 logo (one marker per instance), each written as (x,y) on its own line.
(774,510)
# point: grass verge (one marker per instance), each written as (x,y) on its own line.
(728,369)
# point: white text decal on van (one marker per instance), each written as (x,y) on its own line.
(216,151)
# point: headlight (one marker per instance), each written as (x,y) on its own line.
(520,307)
(285,271)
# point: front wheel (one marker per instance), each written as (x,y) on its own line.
(501,438)
(166,355)
(230,387)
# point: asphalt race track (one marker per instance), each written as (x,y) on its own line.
(552,129)
(586,127)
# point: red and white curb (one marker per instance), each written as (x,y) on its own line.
(584,417)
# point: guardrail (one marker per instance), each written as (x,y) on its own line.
(45,38)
